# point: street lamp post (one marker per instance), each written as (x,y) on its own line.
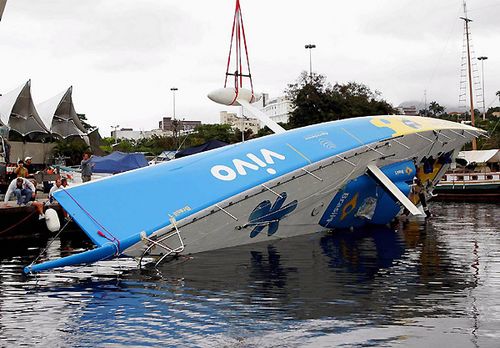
(482,59)
(310,47)
(173,89)
(174,121)
(115,128)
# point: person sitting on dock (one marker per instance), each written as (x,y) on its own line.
(23,189)
(60,183)
(53,189)
(21,171)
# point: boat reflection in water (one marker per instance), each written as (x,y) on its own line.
(323,288)
(326,275)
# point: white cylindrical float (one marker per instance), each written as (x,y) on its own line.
(52,220)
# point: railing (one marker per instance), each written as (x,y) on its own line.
(468,177)
(161,243)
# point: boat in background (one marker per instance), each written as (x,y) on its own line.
(474,177)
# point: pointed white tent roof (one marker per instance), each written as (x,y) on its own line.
(18,112)
(59,115)
(2,7)
(7,102)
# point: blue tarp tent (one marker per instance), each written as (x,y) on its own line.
(209,145)
(118,162)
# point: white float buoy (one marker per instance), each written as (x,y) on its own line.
(52,220)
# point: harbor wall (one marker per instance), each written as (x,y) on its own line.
(40,152)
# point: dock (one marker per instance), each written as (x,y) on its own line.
(17,222)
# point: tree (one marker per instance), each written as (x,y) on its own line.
(316,101)
(267,131)
(85,124)
(435,109)
(71,149)
(125,145)
(206,132)
(490,111)
(309,98)
(357,99)
(155,144)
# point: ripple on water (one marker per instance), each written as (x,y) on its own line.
(421,283)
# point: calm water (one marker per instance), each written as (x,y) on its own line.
(422,284)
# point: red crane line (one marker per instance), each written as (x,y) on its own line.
(237,33)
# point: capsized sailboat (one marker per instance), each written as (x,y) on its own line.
(339,174)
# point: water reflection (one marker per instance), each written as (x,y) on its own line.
(393,284)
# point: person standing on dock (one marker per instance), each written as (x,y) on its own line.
(29,166)
(86,167)
(23,189)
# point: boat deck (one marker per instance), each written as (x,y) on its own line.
(470,186)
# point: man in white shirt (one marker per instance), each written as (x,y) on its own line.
(22,188)
(60,183)
(53,189)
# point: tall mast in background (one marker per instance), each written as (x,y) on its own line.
(469,70)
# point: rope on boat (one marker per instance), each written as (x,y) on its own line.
(18,223)
(111,237)
(48,245)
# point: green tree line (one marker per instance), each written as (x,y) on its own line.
(314,100)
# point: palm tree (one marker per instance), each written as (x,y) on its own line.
(436,109)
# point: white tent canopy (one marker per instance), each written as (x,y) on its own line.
(2,7)
(59,115)
(18,112)
(480,156)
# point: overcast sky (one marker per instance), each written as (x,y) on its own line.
(123,56)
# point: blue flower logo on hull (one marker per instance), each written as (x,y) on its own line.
(266,215)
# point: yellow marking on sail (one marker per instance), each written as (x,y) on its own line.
(349,205)
(403,125)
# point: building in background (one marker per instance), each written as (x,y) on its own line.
(234,121)
(167,124)
(411,108)
(130,134)
(408,110)
(278,109)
